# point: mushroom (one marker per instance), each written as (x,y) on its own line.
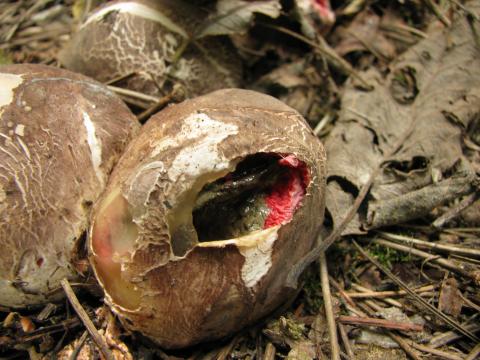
(204,215)
(60,135)
(151,44)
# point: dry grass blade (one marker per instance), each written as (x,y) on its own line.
(420,300)
(82,314)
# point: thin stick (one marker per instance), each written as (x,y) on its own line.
(322,123)
(82,314)
(161,103)
(405,346)
(442,354)
(437,260)
(387,300)
(437,12)
(132,93)
(423,302)
(327,300)
(384,294)
(449,336)
(346,341)
(474,354)
(434,246)
(456,210)
(78,348)
(387,324)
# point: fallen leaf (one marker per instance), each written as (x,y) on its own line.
(433,93)
(450,300)
(235,16)
(363,34)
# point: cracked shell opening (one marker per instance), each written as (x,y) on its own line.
(263,191)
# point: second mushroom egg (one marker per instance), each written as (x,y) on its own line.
(151,45)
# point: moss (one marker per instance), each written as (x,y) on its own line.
(387,256)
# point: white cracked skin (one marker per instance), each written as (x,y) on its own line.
(140,10)
(95,146)
(9,83)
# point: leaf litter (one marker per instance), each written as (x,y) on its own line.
(428,95)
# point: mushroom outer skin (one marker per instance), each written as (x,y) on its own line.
(142,39)
(60,135)
(176,294)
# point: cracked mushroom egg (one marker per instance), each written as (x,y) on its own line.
(149,44)
(60,135)
(204,215)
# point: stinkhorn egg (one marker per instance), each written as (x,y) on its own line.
(60,135)
(151,45)
(204,215)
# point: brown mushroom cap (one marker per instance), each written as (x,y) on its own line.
(143,39)
(60,135)
(159,275)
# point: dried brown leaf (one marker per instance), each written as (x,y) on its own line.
(434,88)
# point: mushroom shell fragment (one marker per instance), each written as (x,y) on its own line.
(151,44)
(60,135)
(159,240)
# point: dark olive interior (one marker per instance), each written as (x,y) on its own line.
(235,204)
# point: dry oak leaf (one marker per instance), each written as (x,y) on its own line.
(433,93)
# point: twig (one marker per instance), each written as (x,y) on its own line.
(456,210)
(161,103)
(405,346)
(327,300)
(404,28)
(322,123)
(422,301)
(449,336)
(346,341)
(474,354)
(437,12)
(82,314)
(465,9)
(298,268)
(389,301)
(270,352)
(384,294)
(323,48)
(447,264)
(387,324)
(414,204)
(119,78)
(78,348)
(434,246)
(430,350)
(133,94)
